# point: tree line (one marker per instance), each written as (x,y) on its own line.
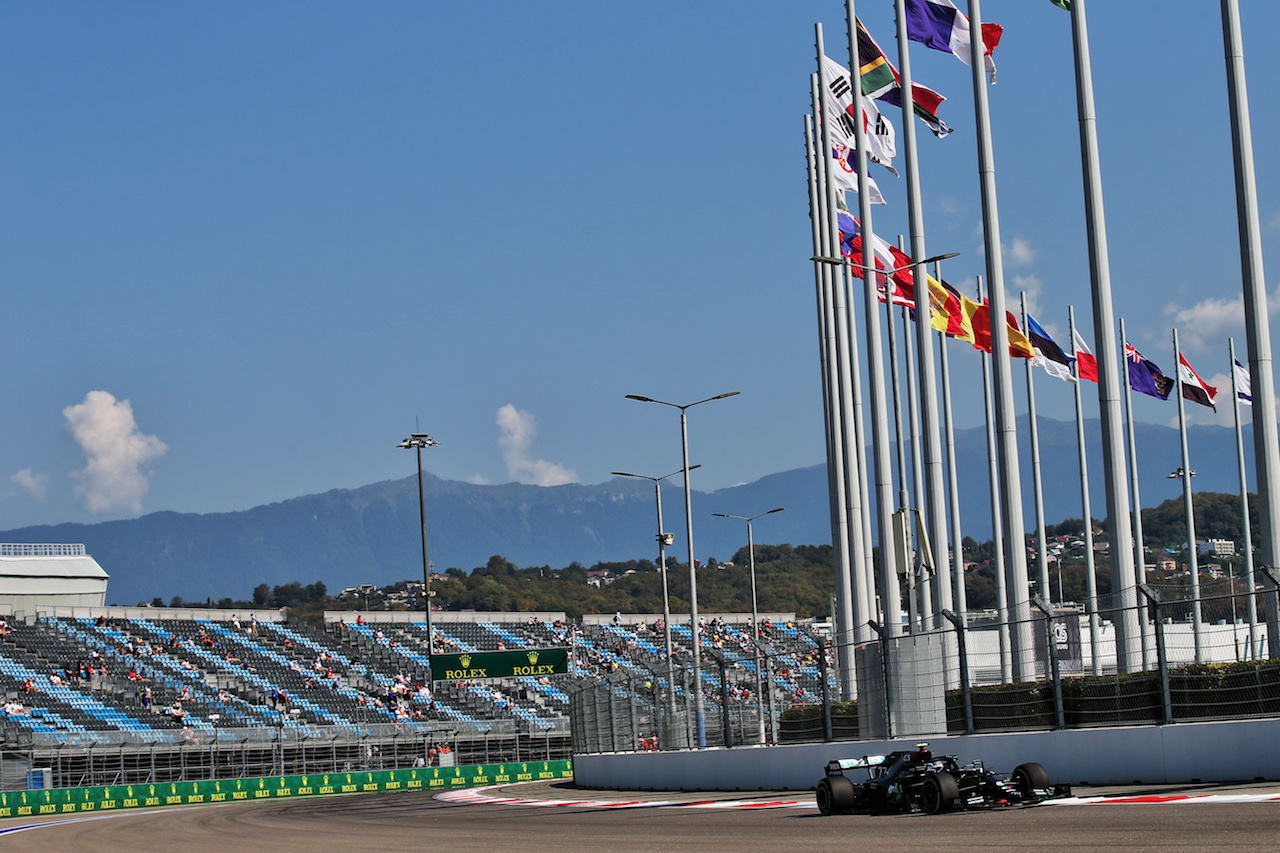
(789,579)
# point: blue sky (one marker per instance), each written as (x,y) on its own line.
(287,232)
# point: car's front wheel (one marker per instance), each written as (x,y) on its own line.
(939,793)
(1030,777)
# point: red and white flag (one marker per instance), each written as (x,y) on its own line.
(1086,364)
(1194,388)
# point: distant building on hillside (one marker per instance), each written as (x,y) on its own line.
(1223,547)
(44,576)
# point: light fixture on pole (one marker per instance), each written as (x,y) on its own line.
(698,705)
(417,441)
(664,539)
(755,613)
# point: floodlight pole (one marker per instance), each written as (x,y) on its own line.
(417,441)
(755,612)
(663,541)
(698,704)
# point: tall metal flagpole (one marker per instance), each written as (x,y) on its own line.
(890,598)
(1006,418)
(932,502)
(1139,542)
(854,585)
(1266,442)
(1124,574)
(953,482)
(1193,558)
(1090,578)
(1042,551)
(997,527)
(841,557)
(1244,508)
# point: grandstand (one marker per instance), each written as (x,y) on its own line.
(129,695)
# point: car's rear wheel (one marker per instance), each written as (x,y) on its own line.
(939,793)
(834,795)
(1029,777)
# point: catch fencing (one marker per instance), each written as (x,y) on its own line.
(1151,655)
(230,753)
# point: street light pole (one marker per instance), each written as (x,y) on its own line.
(664,539)
(417,441)
(698,705)
(1193,558)
(755,613)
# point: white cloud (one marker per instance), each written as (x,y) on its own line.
(1030,285)
(478,480)
(35,484)
(114,451)
(519,430)
(1205,326)
(1273,224)
(1019,253)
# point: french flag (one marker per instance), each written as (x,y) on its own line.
(940,25)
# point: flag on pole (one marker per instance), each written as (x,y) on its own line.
(940,25)
(1244,388)
(1086,364)
(1048,354)
(1194,388)
(1062,4)
(1019,346)
(1144,376)
(887,257)
(948,314)
(881,140)
(844,173)
(881,82)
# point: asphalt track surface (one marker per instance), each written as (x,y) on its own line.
(418,821)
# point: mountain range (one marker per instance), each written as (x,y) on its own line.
(370,534)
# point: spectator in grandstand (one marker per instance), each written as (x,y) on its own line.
(29,686)
(146,696)
(176,711)
(4,628)
(14,708)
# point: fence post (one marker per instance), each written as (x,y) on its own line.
(827,730)
(1271,605)
(962,651)
(725,719)
(821,645)
(1059,716)
(884,669)
(1162,659)
(613,715)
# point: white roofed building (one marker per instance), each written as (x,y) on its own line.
(49,575)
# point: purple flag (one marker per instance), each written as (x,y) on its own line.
(1145,377)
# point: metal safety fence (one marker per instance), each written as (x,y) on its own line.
(1150,655)
(230,753)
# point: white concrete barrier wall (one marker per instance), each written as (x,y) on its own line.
(1242,750)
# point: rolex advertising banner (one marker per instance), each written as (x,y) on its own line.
(53,801)
(499,664)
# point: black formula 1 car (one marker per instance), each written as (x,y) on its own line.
(917,780)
